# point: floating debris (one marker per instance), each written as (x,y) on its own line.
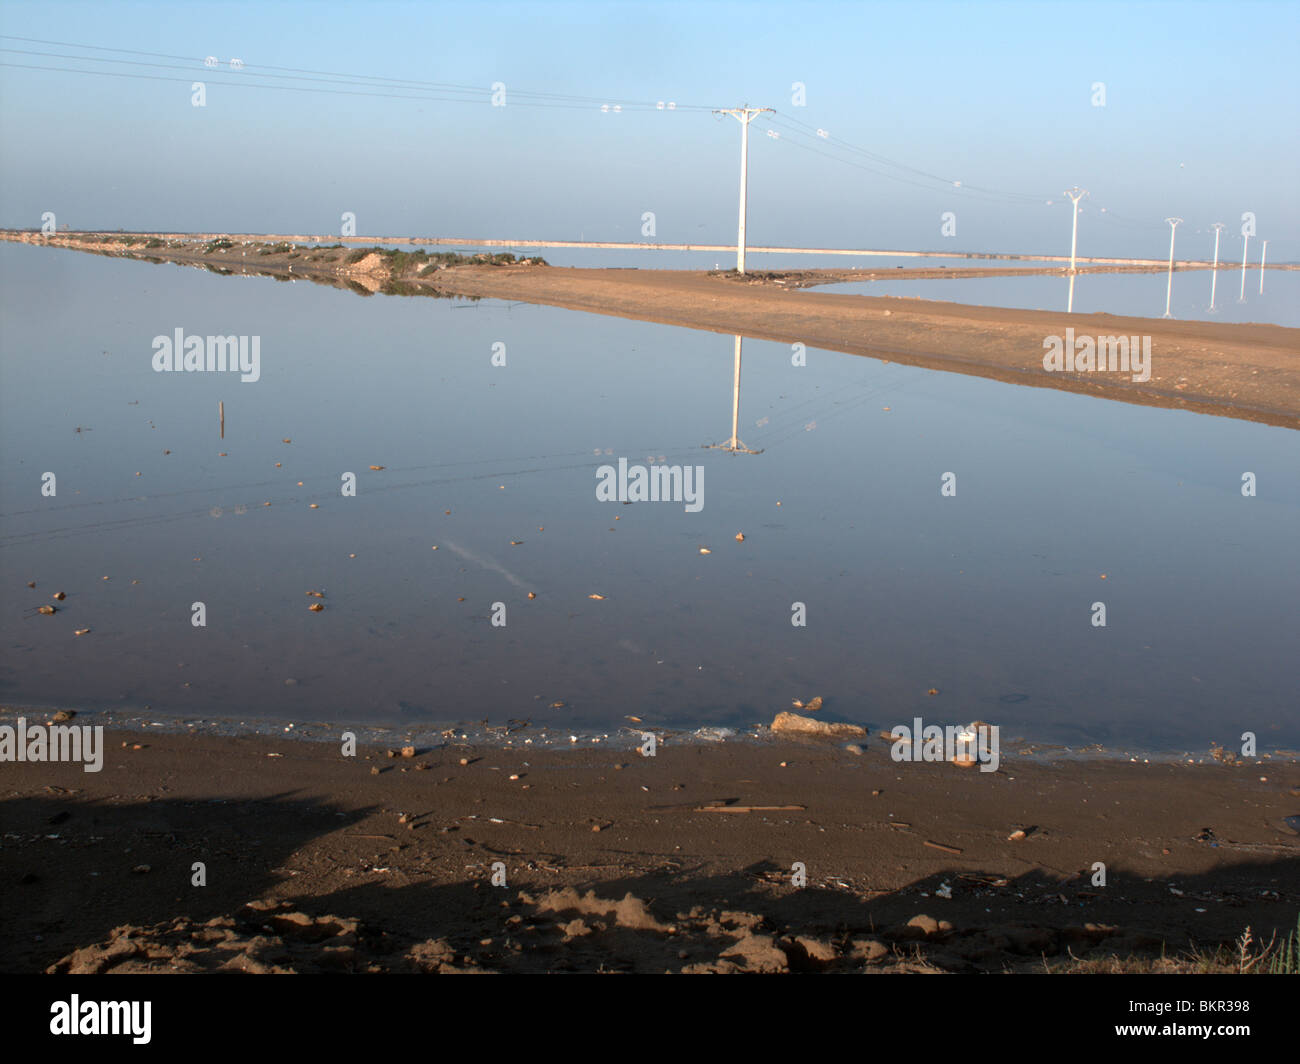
(47,610)
(599,598)
(315,607)
(81,631)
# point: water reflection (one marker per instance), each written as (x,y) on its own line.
(733,443)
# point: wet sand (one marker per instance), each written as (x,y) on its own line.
(1246,371)
(618,862)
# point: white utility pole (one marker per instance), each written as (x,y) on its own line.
(1075,195)
(1262,254)
(743,115)
(1169,289)
(1245,242)
(1218,227)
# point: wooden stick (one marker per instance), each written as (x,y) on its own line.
(748,808)
(940,846)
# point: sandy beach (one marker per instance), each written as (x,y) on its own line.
(608,860)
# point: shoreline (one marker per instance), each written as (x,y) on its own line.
(612,861)
(546,740)
(1244,371)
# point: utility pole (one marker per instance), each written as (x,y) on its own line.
(1245,242)
(1218,227)
(1075,195)
(1169,289)
(743,115)
(1262,254)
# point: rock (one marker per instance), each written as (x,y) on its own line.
(408,751)
(793,724)
(853,748)
(759,953)
(818,952)
(928,924)
(141,869)
(64,714)
(868,950)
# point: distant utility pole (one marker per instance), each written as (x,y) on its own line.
(743,115)
(1218,227)
(1263,252)
(1169,289)
(1245,242)
(1075,195)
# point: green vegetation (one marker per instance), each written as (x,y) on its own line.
(220,244)
(1285,958)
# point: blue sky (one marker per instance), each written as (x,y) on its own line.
(1200,121)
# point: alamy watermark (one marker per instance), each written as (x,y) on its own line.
(53,742)
(1079,354)
(213,354)
(962,744)
(653,483)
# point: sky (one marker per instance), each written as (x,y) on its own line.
(1158,110)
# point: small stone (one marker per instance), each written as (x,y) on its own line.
(408,751)
(59,596)
(464,760)
(141,869)
(854,748)
(374,771)
(1019,836)
(64,714)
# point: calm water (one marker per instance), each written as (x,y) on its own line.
(1137,294)
(985,596)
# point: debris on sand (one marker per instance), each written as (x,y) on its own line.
(793,724)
